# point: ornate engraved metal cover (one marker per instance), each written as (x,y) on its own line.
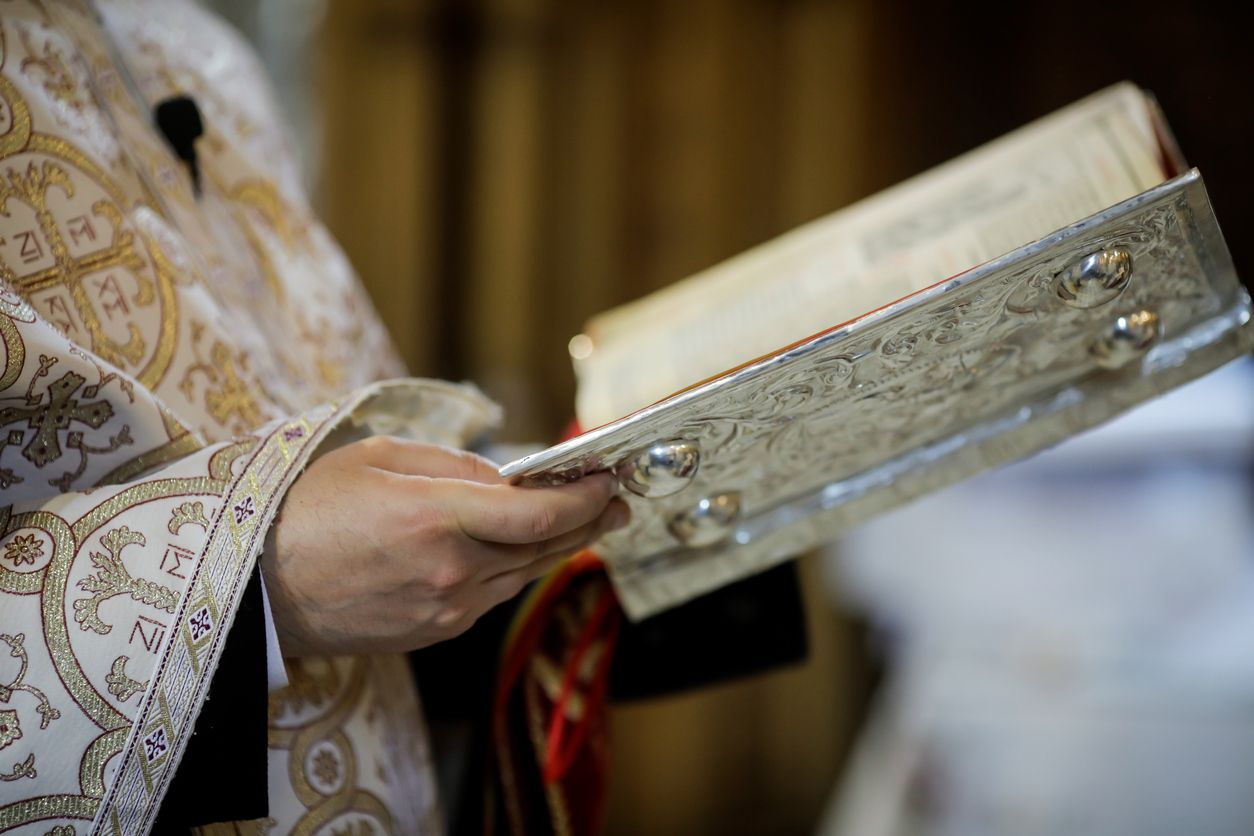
(979,370)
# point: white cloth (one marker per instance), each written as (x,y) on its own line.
(276,671)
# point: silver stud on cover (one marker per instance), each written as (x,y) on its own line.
(666,468)
(708,522)
(1095,279)
(1126,339)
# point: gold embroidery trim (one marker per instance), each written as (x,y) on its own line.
(47,807)
(131,803)
(91,770)
(14,350)
(56,631)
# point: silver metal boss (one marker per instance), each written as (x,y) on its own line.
(664,469)
(1126,339)
(1095,279)
(708,522)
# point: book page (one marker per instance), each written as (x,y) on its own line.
(1000,196)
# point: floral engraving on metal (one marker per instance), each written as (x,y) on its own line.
(982,369)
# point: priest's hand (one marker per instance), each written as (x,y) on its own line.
(388,545)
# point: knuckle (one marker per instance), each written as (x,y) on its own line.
(449,576)
(474,467)
(453,618)
(428,522)
(384,444)
(543,523)
(383,448)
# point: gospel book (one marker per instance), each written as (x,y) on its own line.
(993,306)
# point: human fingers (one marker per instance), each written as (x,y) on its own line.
(506,585)
(510,514)
(505,559)
(616,515)
(413,458)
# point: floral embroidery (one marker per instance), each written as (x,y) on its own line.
(188,512)
(229,390)
(24,549)
(120,685)
(326,767)
(17,649)
(364,828)
(10,730)
(113,579)
(25,769)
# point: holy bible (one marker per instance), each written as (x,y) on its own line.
(993,306)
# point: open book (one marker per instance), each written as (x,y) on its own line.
(1014,296)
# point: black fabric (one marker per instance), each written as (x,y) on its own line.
(223,774)
(456,678)
(456,682)
(745,628)
(179,120)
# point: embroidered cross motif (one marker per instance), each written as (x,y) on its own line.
(293,433)
(70,272)
(200,624)
(58,413)
(244,510)
(156,744)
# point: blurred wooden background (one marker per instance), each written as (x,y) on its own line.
(499,170)
(547,160)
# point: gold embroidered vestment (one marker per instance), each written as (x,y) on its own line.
(171,360)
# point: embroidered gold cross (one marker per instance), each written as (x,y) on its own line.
(68,271)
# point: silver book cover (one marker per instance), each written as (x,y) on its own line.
(764,462)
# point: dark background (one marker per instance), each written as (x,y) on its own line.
(952,76)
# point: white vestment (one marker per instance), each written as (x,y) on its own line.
(171,361)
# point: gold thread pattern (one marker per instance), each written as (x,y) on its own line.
(113,579)
(179,263)
(192,513)
(15,124)
(47,807)
(202,618)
